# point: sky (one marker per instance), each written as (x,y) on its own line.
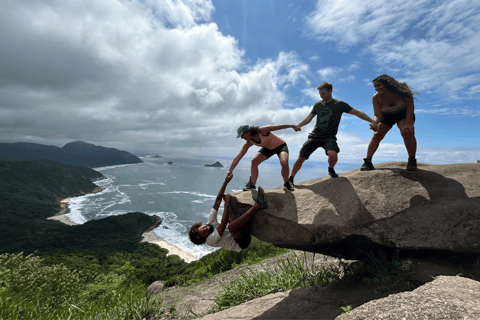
(180,76)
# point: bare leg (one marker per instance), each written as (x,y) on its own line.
(332,158)
(257,159)
(297,165)
(283,156)
(377,137)
(234,225)
(408,138)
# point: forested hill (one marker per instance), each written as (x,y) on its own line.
(77,153)
(33,189)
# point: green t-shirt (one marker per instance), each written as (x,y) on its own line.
(328,116)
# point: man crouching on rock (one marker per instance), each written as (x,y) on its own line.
(238,235)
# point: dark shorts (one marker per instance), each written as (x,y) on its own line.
(390,119)
(313,143)
(237,208)
(268,152)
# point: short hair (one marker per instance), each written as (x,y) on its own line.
(194,235)
(325,85)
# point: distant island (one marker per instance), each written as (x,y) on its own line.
(170,162)
(77,153)
(216,164)
(156,156)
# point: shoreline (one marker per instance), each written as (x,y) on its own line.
(148,236)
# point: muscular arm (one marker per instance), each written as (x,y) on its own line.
(361,115)
(266,129)
(377,109)
(305,121)
(239,157)
(223,224)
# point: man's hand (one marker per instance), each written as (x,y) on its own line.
(297,128)
(374,126)
(228,177)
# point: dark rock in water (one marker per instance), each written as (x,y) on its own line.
(170,162)
(156,156)
(216,164)
(77,153)
(433,211)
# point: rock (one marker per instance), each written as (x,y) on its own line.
(216,164)
(432,211)
(444,298)
(156,156)
(155,288)
(170,162)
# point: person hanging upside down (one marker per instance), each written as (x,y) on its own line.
(231,233)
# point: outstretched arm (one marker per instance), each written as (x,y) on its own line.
(363,116)
(266,129)
(237,159)
(221,193)
(305,121)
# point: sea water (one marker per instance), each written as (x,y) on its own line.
(181,193)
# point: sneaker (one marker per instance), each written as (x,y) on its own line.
(412,164)
(291,181)
(332,173)
(261,198)
(249,185)
(367,165)
(288,186)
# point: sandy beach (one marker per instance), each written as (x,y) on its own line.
(149,236)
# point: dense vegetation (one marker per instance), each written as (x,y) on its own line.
(100,269)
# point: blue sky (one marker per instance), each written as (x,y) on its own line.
(179,77)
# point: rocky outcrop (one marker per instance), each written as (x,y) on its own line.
(435,210)
(77,153)
(443,298)
(446,297)
(216,164)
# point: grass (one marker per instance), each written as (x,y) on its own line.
(30,290)
(287,274)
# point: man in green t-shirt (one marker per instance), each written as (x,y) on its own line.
(329,113)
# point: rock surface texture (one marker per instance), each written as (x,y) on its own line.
(435,210)
(444,298)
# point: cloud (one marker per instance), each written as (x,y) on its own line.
(154,74)
(418,41)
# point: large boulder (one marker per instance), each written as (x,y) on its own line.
(443,298)
(435,210)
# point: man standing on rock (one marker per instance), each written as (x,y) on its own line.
(238,235)
(329,113)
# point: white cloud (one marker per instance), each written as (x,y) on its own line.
(421,41)
(328,72)
(153,74)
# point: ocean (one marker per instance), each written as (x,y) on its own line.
(181,193)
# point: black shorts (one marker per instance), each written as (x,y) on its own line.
(390,119)
(313,143)
(246,235)
(268,152)
(237,208)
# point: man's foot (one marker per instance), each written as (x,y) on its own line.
(291,181)
(261,198)
(332,173)
(249,185)
(288,186)
(412,164)
(367,165)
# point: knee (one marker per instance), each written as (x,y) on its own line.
(378,137)
(284,162)
(407,134)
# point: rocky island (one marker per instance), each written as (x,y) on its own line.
(216,164)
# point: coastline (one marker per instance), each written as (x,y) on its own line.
(148,236)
